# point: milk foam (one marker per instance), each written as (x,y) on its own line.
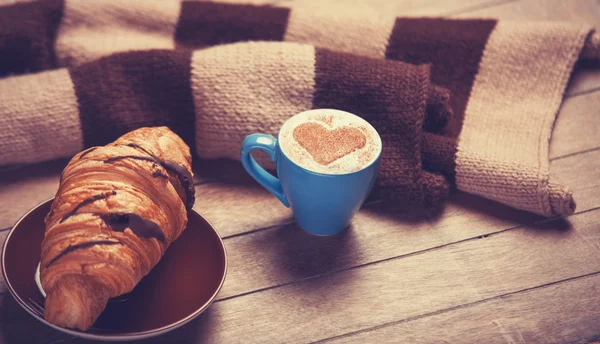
(331,120)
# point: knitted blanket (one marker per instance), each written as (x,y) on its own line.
(507,80)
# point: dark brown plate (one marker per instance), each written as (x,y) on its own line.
(180,287)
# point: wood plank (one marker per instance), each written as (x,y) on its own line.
(407,287)
(337,303)
(585,78)
(567,312)
(17,326)
(577,126)
(379,231)
(24,187)
(383,231)
(238,206)
(579,175)
(468,216)
(587,75)
(398,289)
(293,245)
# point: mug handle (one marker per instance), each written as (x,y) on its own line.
(268,144)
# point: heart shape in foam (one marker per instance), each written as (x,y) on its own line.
(326,146)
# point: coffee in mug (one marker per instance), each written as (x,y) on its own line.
(329,142)
(327,163)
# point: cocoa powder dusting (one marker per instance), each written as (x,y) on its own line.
(327,119)
(326,146)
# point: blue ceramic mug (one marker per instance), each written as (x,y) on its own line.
(323,204)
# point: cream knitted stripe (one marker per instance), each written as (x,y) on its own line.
(39,118)
(92,29)
(503,147)
(361,31)
(264,84)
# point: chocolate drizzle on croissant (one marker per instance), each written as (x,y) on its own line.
(185,178)
(86,202)
(140,226)
(72,248)
(86,152)
(159,174)
(121,157)
(183,175)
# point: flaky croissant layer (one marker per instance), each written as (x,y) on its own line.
(117,209)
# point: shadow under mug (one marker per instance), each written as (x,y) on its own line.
(323,204)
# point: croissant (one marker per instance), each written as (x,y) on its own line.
(117,209)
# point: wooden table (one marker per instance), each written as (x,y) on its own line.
(477,272)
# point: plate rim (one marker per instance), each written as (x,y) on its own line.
(120,337)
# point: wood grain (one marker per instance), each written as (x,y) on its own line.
(395,290)
(577,126)
(469,216)
(564,312)
(379,231)
(401,289)
(23,188)
(411,286)
(382,231)
(240,205)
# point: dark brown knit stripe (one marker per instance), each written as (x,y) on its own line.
(439,111)
(439,155)
(391,96)
(127,91)
(204,24)
(454,47)
(27,35)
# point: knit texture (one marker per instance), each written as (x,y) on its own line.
(27,35)
(503,148)
(39,118)
(394,102)
(215,97)
(248,88)
(505,92)
(206,24)
(358,31)
(126,91)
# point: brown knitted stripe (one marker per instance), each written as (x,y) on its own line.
(392,99)
(205,23)
(454,47)
(439,112)
(439,155)
(127,91)
(27,35)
